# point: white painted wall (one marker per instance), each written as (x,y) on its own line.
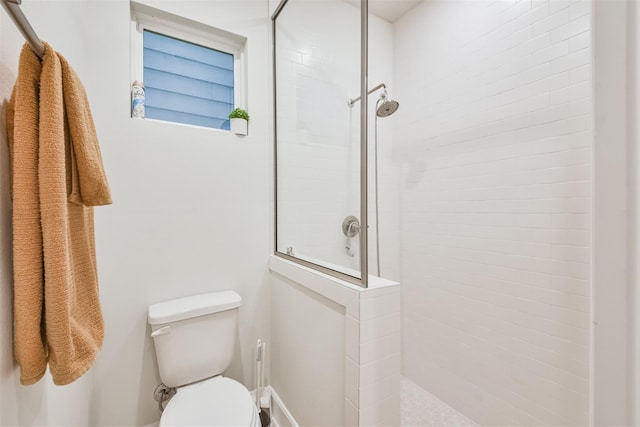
(190,213)
(633,337)
(8,377)
(494,146)
(616,221)
(611,150)
(42,403)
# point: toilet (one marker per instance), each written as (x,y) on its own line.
(194,339)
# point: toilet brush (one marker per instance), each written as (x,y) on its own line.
(258,365)
(265,419)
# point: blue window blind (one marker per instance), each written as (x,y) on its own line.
(187,83)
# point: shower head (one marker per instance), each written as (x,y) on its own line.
(386,107)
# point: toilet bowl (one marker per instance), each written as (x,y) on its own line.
(216,402)
(194,338)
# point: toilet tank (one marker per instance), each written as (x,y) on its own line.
(194,336)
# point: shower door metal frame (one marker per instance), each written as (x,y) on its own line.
(364,220)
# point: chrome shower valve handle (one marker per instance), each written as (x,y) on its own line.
(350,228)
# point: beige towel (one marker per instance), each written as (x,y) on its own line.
(28,275)
(70,180)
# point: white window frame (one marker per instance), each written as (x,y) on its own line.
(164,23)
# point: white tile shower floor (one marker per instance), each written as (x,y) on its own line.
(419,408)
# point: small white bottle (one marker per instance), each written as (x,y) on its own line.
(137,99)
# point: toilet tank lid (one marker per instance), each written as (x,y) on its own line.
(192,306)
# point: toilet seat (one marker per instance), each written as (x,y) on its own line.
(218,401)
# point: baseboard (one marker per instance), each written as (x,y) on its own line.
(280,415)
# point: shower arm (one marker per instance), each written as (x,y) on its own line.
(351,102)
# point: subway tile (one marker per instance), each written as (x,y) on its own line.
(371,308)
(557,49)
(385,413)
(351,416)
(571,29)
(379,348)
(570,93)
(379,369)
(379,327)
(580,74)
(352,382)
(554,20)
(556,5)
(572,60)
(375,292)
(579,9)
(580,41)
(375,393)
(533,15)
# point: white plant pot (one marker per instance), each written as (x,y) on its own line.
(239,126)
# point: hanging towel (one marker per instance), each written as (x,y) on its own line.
(69,181)
(30,347)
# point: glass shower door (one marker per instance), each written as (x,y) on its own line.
(317,70)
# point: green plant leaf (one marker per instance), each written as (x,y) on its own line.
(239,113)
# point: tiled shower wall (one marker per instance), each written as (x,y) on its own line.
(493,149)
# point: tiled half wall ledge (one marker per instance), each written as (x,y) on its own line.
(370,347)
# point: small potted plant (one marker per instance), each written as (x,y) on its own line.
(239,121)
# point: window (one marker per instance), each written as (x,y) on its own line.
(187,83)
(191,72)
